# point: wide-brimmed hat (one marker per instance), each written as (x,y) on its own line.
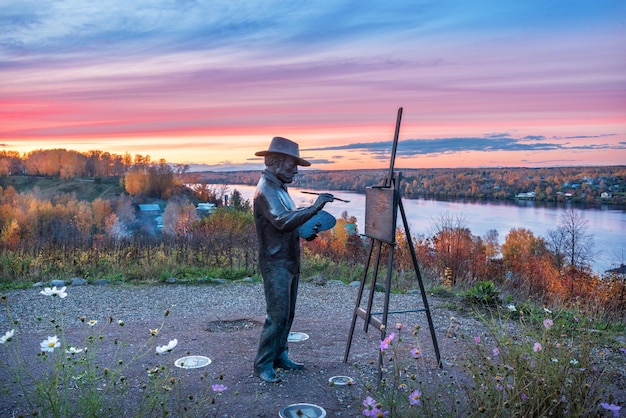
(280,145)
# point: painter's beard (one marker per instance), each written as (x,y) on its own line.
(285,177)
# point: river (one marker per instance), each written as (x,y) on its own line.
(606,224)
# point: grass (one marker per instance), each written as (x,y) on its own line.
(526,361)
(87,189)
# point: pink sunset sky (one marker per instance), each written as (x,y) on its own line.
(482,83)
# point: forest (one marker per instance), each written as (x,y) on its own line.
(591,185)
(588,185)
(54,225)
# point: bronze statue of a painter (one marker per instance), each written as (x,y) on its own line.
(277,221)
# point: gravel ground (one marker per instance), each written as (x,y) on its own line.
(223,322)
(146,303)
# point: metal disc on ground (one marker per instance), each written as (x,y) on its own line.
(192,362)
(341,381)
(299,410)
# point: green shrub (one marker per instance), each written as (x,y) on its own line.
(483,293)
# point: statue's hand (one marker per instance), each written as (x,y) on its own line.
(322,199)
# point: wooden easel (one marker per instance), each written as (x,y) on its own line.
(381,208)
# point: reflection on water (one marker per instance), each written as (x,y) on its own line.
(607,225)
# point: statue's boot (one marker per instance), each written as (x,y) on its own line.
(286,363)
(268,375)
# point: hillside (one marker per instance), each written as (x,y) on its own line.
(87,189)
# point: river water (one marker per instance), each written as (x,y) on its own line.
(607,225)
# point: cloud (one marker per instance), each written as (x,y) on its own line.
(271,27)
(487,143)
(319,161)
(589,136)
(226,166)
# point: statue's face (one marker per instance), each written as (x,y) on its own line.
(287,170)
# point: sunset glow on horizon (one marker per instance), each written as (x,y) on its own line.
(482,83)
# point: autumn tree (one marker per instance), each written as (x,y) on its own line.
(527,260)
(136,181)
(178,218)
(161,180)
(115,228)
(10,163)
(81,215)
(104,164)
(205,193)
(570,242)
(492,245)
(153,180)
(355,247)
(519,245)
(453,245)
(124,209)
(101,208)
(56,162)
(10,234)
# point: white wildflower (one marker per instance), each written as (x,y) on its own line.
(167,348)
(54,292)
(7,336)
(50,344)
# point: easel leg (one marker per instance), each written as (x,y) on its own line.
(421,284)
(370,300)
(358,301)
(383,328)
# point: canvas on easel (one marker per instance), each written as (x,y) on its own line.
(380,213)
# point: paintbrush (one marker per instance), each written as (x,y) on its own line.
(336,198)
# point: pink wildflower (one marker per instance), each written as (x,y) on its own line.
(384,344)
(611,407)
(416,353)
(414,397)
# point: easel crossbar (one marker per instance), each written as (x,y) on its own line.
(377,323)
(399,312)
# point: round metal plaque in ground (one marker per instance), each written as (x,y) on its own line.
(299,410)
(341,381)
(295,337)
(192,362)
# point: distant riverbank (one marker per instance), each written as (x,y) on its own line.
(598,185)
(607,224)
